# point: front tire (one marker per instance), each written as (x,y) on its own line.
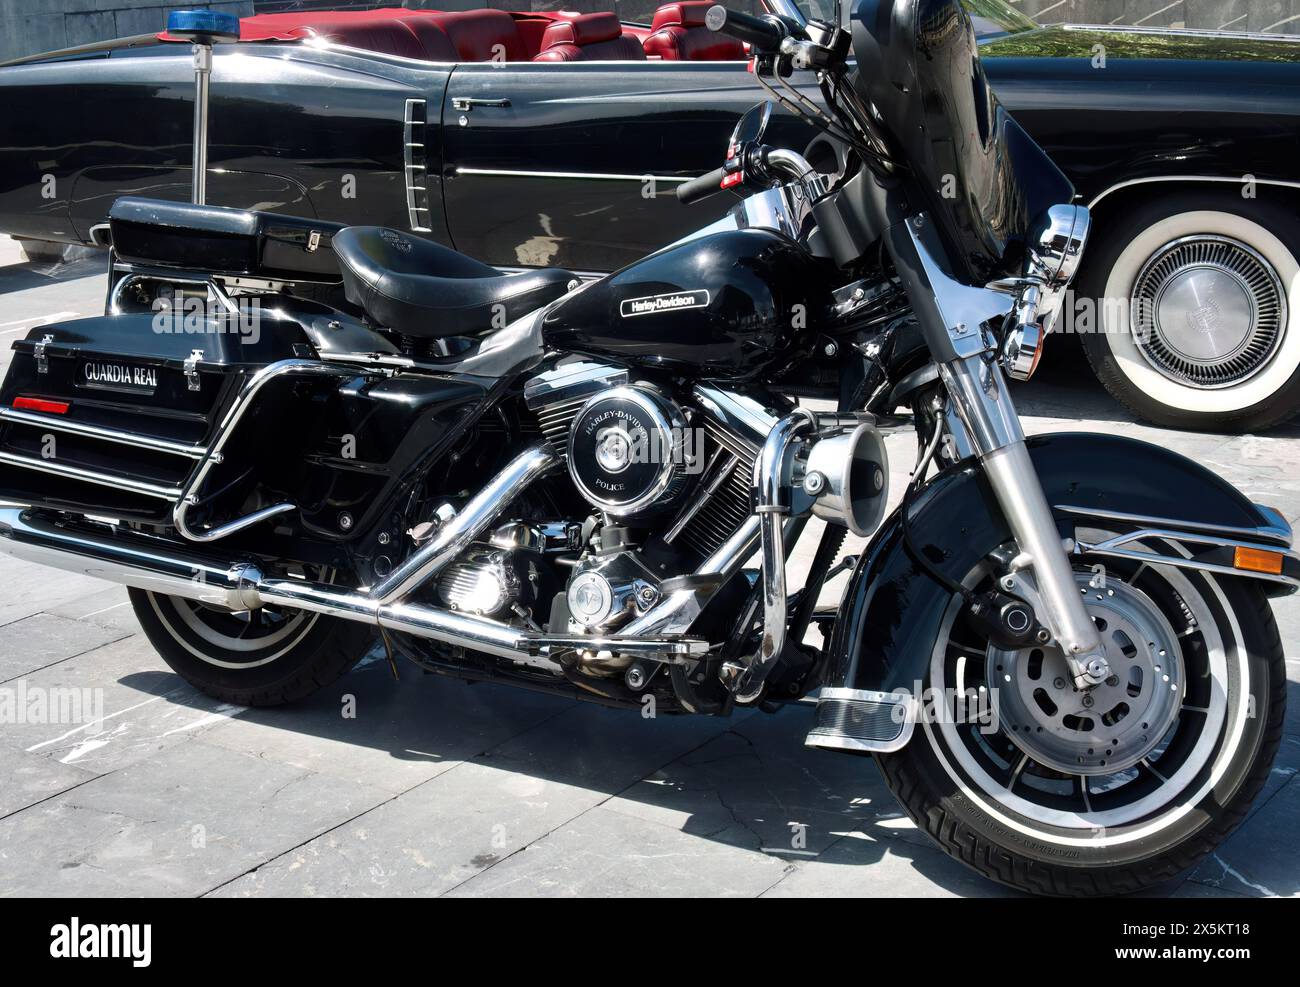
(1196,318)
(1034,805)
(267,657)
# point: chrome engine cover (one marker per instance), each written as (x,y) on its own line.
(607,590)
(629,453)
(485,581)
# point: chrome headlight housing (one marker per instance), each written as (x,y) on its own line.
(1052,256)
(1056,242)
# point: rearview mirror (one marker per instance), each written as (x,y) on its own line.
(752,125)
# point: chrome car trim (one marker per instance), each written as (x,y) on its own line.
(602,176)
(1191,32)
(58,424)
(1157,179)
(415,164)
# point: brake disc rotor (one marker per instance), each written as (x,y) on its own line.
(1113,726)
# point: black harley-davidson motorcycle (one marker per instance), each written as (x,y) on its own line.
(288,438)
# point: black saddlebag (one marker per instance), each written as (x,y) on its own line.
(217,239)
(109,416)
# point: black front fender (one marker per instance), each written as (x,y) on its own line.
(892,609)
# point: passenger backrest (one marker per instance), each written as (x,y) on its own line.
(591,37)
(680,35)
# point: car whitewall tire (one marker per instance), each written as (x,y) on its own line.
(1255,389)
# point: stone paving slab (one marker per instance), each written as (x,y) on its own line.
(403,733)
(429,841)
(108,607)
(30,778)
(190,819)
(30,644)
(607,854)
(143,709)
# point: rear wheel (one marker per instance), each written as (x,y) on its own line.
(1054,791)
(1197,319)
(263,657)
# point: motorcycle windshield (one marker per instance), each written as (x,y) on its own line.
(968,163)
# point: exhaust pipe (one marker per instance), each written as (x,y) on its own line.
(148,562)
(129,558)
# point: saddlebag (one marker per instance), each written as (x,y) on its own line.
(109,416)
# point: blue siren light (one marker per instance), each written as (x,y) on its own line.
(203,26)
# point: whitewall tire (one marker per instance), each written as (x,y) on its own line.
(1197,312)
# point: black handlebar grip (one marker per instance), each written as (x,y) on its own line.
(702,187)
(759,33)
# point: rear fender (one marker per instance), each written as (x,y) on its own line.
(893,610)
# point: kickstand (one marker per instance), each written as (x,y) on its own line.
(388,651)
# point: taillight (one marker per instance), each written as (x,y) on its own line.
(42,405)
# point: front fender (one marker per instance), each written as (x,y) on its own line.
(892,609)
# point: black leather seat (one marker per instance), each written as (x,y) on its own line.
(420,288)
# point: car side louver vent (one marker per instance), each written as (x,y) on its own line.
(413,154)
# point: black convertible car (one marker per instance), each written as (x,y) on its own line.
(535,139)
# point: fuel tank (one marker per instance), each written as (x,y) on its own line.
(735,304)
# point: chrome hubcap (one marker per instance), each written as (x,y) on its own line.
(1208,311)
(1113,726)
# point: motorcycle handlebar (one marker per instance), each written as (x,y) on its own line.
(759,33)
(702,187)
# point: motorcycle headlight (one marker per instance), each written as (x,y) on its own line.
(1052,257)
(1056,242)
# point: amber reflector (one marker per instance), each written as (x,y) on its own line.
(1257,560)
(42,405)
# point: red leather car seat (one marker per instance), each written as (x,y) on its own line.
(591,37)
(479,34)
(434,42)
(383,34)
(680,35)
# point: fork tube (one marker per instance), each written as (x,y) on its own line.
(978,392)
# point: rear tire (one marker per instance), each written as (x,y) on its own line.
(1195,364)
(258,658)
(1036,835)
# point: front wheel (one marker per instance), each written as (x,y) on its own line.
(1053,791)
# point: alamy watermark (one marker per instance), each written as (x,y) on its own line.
(21,704)
(184,314)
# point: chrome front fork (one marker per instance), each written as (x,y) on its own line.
(978,392)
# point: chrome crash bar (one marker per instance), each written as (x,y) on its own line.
(152,563)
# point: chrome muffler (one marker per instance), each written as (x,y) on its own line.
(148,562)
(128,558)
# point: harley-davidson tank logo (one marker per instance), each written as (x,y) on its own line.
(119,377)
(675,302)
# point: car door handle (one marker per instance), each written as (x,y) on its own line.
(469,102)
